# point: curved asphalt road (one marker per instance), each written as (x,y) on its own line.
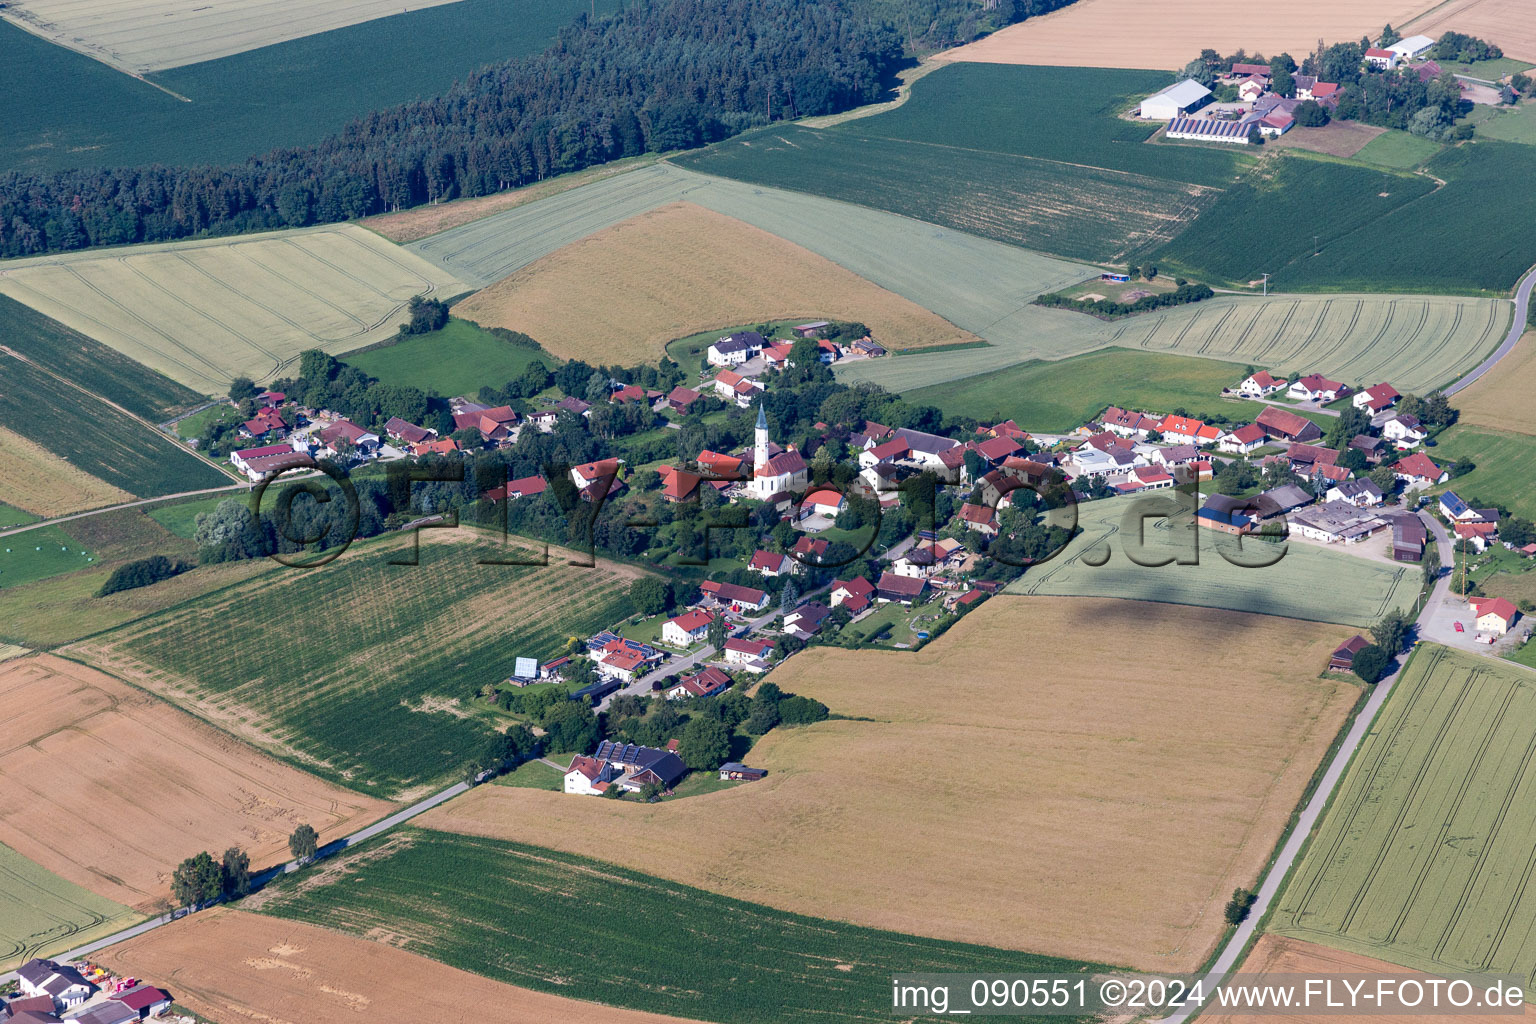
(1516,329)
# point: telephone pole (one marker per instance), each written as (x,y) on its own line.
(1266,286)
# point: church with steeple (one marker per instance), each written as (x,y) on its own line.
(775,471)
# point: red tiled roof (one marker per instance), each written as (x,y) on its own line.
(766,560)
(890,449)
(677,484)
(689,622)
(1420,465)
(978,514)
(1494,606)
(1249,434)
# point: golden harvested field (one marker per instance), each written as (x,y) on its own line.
(86,761)
(620,295)
(1506,22)
(1130,34)
(206,311)
(1502,398)
(35,480)
(1099,803)
(1274,955)
(152,35)
(235,966)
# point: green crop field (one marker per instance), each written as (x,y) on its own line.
(522,914)
(41,913)
(1399,150)
(1058,396)
(1424,857)
(90,364)
(194,425)
(39,554)
(356,670)
(96,437)
(1417,343)
(10,516)
(282,95)
(1506,466)
(454,361)
(1308,582)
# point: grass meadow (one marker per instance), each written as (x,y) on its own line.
(96,438)
(41,913)
(356,670)
(1399,151)
(1506,466)
(522,915)
(12,516)
(39,554)
(1308,582)
(286,94)
(456,360)
(1423,858)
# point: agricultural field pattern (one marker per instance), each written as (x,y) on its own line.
(205,312)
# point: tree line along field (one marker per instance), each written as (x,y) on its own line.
(1040,169)
(86,752)
(618,296)
(1418,343)
(68,110)
(1424,859)
(522,914)
(41,913)
(356,671)
(1308,582)
(95,437)
(1087,755)
(204,312)
(230,964)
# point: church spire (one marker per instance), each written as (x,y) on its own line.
(760,449)
(762,419)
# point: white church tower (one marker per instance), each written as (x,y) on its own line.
(760,452)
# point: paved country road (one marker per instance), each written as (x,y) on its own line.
(259,880)
(1516,329)
(56,520)
(1307,820)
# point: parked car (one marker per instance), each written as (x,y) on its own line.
(1460,628)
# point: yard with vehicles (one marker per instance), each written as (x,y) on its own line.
(513,913)
(460,359)
(375,680)
(41,913)
(1422,859)
(1419,342)
(306,88)
(1007,860)
(618,296)
(233,965)
(204,312)
(133,758)
(1308,582)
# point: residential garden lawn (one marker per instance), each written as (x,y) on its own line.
(180,518)
(1504,472)
(902,622)
(371,692)
(1400,150)
(39,554)
(457,360)
(14,516)
(41,913)
(1084,755)
(514,912)
(1308,582)
(1517,125)
(1058,396)
(1422,856)
(534,775)
(68,110)
(688,351)
(194,425)
(97,368)
(1514,580)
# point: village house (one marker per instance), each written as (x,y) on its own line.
(1260,385)
(823,502)
(855,594)
(1184,430)
(898,588)
(1284,425)
(1279,501)
(1303,458)
(145,1000)
(771,563)
(1226,514)
(407,432)
(1418,470)
(1456,510)
(737,598)
(345,436)
(1495,615)
(64,985)
(268,420)
(627,765)
(1314,387)
(1145,478)
(618,660)
(1373,448)
(745,652)
(496,425)
(687,629)
(979,518)
(884,453)
(1376,399)
(1243,440)
(1382,60)
(1360,493)
(733,387)
(1404,430)
(705,683)
(678,485)
(681,399)
(1478,535)
(260,463)
(735,349)
(597,479)
(806,620)
(1126,423)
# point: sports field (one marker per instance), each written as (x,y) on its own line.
(1424,857)
(41,913)
(86,753)
(152,35)
(514,913)
(227,965)
(1502,399)
(1416,342)
(94,437)
(1505,470)
(1029,798)
(1308,582)
(204,312)
(1284,960)
(360,670)
(39,482)
(618,296)
(1125,34)
(456,360)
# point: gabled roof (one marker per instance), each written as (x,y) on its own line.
(720,464)
(1288,424)
(856,587)
(930,444)
(406,431)
(1494,606)
(1248,434)
(1317,382)
(743,645)
(732,593)
(978,515)
(769,560)
(890,450)
(997,448)
(692,621)
(906,586)
(1264,380)
(783,464)
(1180,425)
(678,484)
(1418,465)
(682,396)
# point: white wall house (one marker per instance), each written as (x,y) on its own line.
(1175,101)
